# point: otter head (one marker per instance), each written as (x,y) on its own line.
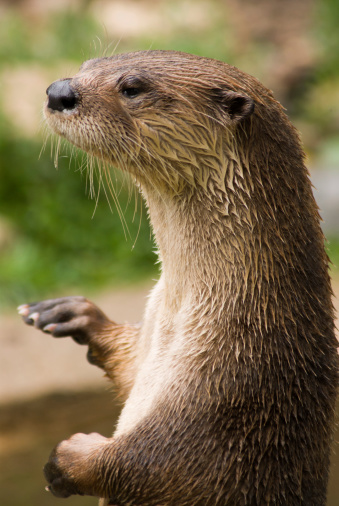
(167,118)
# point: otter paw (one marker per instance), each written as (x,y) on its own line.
(60,486)
(76,317)
(71,465)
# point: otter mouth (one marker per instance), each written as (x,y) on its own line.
(61,97)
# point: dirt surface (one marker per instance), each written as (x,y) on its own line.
(33,363)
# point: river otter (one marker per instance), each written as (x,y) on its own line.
(230,382)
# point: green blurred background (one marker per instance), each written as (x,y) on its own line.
(53,235)
(50,235)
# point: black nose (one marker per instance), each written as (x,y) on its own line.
(61,96)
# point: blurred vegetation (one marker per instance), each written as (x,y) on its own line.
(60,237)
(328,36)
(50,236)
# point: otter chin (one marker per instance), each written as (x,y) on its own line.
(229,383)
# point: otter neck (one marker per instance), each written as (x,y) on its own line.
(219,251)
(198,247)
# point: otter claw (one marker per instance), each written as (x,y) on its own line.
(23,310)
(76,317)
(34,317)
(49,329)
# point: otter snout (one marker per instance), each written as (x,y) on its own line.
(61,96)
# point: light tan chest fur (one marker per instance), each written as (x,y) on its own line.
(158,359)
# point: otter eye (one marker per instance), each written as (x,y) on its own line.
(131,92)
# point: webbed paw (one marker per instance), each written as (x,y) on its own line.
(71,467)
(76,317)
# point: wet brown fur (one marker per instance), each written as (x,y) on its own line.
(240,327)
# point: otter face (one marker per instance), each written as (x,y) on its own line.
(160,115)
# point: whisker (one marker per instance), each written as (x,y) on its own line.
(116,202)
(139,227)
(48,135)
(115,47)
(100,185)
(56,152)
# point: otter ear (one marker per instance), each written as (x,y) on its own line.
(237,105)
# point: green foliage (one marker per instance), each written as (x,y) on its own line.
(66,35)
(63,238)
(328,36)
(332,247)
(14,34)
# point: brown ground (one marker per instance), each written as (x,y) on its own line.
(33,363)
